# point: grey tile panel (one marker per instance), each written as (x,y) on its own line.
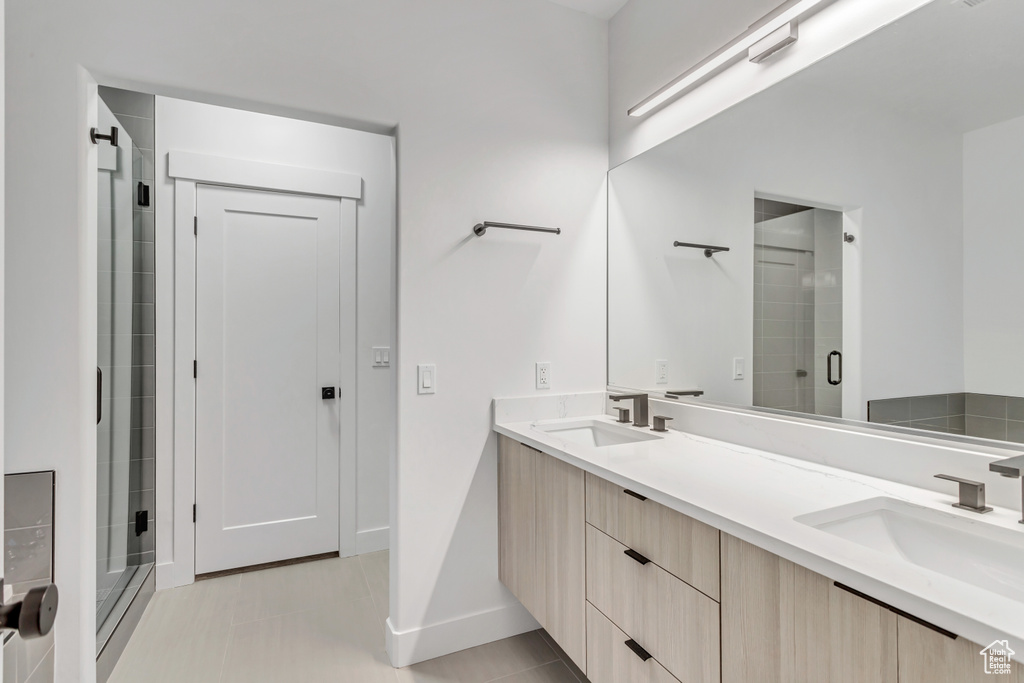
(986,427)
(28,500)
(923,407)
(986,405)
(889,410)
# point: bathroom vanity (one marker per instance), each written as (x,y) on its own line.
(662,557)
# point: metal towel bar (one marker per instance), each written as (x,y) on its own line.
(481,228)
(709,250)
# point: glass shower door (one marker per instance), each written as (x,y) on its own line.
(798,308)
(114,365)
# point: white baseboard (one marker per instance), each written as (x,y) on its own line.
(173,575)
(372,540)
(427,642)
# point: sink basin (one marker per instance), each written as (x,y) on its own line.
(972,551)
(595,433)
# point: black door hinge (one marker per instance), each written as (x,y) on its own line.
(195,225)
(141,522)
(195,369)
(96,136)
(193,513)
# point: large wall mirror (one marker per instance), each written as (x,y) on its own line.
(869,206)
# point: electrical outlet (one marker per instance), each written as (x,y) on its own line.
(543,375)
(738,369)
(661,371)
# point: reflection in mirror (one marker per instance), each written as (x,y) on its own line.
(869,207)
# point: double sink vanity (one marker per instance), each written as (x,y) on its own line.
(663,556)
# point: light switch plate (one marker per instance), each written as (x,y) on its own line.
(543,375)
(661,371)
(381,356)
(426,379)
(738,368)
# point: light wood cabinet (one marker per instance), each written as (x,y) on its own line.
(927,656)
(517,522)
(563,538)
(782,623)
(542,552)
(610,660)
(561,553)
(677,543)
(672,620)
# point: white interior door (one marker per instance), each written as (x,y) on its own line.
(268,331)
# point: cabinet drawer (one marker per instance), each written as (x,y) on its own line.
(610,660)
(675,622)
(677,543)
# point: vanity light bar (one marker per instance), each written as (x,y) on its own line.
(727,55)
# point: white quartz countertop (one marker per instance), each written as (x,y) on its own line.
(755,496)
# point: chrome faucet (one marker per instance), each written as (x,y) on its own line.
(639,407)
(972,494)
(1013,468)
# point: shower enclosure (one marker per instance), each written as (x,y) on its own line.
(123,531)
(798,308)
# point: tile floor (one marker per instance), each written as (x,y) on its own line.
(319,621)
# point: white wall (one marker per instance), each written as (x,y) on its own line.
(222,132)
(654,41)
(3,166)
(789,142)
(993,244)
(500,107)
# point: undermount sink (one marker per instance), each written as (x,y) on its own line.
(975,552)
(595,433)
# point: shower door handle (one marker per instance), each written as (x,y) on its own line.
(99,395)
(835,382)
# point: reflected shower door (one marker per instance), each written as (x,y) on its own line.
(798,308)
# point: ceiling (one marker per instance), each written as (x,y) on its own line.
(951,66)
(603,9)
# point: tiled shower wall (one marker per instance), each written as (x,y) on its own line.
(783,309)
(135,111)
(986,416)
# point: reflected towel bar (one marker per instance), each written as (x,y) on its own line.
(481,228)
(688,392)
(709,250)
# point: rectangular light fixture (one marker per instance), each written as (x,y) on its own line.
(791,12)
(775,41)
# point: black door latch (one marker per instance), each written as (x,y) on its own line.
(327,393)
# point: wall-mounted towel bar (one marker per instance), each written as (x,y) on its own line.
(481,228)
(709,250)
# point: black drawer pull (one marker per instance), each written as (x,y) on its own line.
(637,650)
(636,556)
(634,494)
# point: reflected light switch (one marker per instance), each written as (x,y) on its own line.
(427,379)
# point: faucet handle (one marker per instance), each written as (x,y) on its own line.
(972,494)
(623,414)
(659,423)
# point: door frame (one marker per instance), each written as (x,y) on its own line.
(188,170)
